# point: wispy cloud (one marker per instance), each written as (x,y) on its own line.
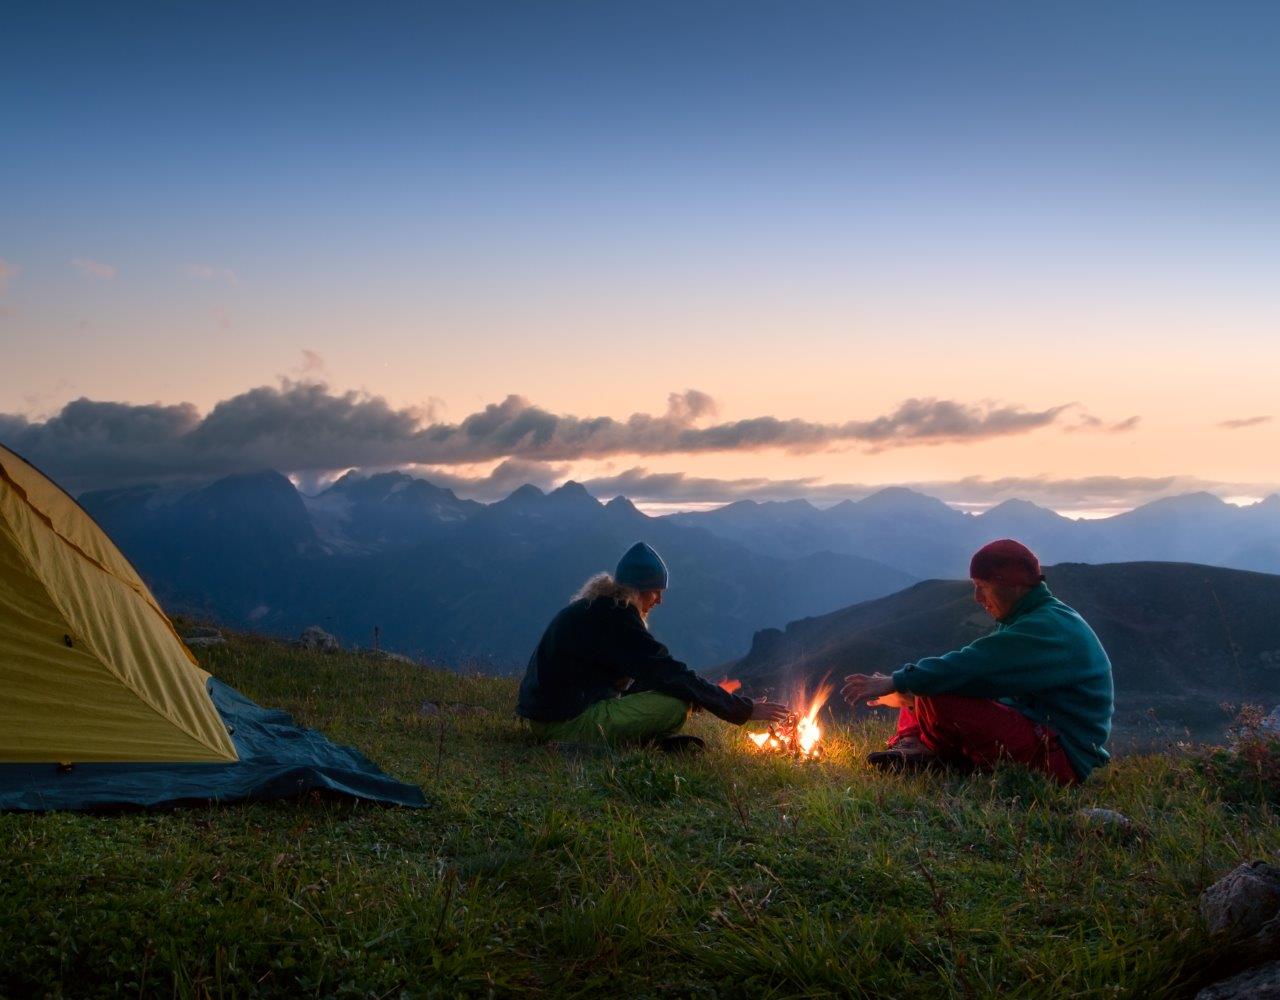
(516,426)
(209,272)
(1087,422)
(94,268)
(301,426)
(312,364)
(1235,425)
(505,477)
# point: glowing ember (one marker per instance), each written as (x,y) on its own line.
(730,684)
(799,734)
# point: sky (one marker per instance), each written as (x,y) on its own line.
(694,252)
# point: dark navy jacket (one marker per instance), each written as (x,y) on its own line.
(591,647)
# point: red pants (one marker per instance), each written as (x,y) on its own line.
(984,732)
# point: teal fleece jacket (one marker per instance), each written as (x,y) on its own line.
(1043,660)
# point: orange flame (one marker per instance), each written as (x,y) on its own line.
(808,732)
(730,684)
(801,735)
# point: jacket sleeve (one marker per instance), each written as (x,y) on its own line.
(1020,660)
(639,655)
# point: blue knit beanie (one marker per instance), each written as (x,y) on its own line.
(641,569)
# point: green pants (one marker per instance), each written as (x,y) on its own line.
(633,718)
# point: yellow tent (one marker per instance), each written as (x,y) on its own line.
(90,667)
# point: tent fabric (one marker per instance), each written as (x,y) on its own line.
(91,669)
(277,759)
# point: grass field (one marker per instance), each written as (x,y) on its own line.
(617,873)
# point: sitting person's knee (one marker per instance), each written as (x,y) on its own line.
(673,712)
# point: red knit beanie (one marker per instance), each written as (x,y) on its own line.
(1006,561)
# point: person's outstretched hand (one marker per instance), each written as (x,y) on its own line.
(867,687)
(769,711)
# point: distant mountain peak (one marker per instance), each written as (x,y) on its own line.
(1200,501)
(1016,504)
(621,504)
(528,493)
(1022,510)
(900,498)
(570,488)
(262,478)
(1268,506)
(380,486)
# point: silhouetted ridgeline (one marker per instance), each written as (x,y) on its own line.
(447,579)
(926,538)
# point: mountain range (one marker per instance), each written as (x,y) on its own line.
(923,536)
(471,584)
(447,579)
(1183,638)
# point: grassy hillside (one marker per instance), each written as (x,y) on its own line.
(627,874)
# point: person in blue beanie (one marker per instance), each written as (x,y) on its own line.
(599,675)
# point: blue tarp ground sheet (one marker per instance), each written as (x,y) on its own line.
(278,759)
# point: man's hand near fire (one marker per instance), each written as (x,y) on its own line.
(769,711)
(874,689)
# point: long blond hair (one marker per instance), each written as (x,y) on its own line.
(604,585)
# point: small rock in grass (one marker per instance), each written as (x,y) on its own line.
(1259,983)
(1243,900)
(203,635)
(428,708)
(197,641)
(314,637)
(1107,821)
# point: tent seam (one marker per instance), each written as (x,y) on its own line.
(66,618)
(142,592)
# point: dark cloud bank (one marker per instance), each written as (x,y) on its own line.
(307,428)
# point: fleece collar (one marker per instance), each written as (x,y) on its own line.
(1034,598)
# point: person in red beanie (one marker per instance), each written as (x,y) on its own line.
(1037,690)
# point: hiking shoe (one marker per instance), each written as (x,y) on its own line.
(681,744)
(903,758)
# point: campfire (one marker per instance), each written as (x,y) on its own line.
(799,735)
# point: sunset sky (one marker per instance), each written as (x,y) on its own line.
(988,250)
